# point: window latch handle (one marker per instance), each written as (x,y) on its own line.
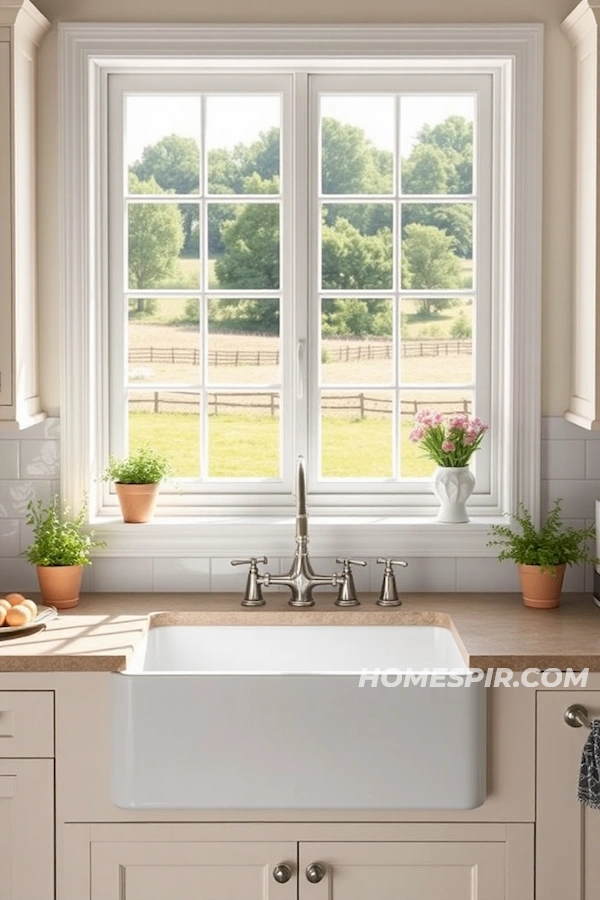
(301,350)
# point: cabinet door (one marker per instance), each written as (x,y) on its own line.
(412,871)
(157,870)
(567,833)
(26,829)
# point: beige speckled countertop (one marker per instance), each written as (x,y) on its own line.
(492,629)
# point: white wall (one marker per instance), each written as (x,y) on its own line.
(557,119)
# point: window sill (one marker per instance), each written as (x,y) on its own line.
(274,535)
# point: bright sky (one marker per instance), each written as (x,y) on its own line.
(233,120)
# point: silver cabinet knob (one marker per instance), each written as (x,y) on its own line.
(315,873)
(282,873)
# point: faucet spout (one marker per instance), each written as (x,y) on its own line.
(301,579)
(301,517)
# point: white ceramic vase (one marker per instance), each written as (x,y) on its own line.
(453,485)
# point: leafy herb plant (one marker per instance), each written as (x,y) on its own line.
(550,546)
(144,466)
(58,539)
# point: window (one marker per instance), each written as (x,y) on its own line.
(293,255)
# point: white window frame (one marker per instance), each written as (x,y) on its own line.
(513,53)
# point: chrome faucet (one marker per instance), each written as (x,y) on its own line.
(301,579)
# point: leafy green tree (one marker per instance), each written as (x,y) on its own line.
(357,317)
(174,163)
(155,237)
(429,263)
(251,241)
(442,163)
(249,315)
(454,137)
(461,327)
(351,164)
(351,260)
(425,171)
(231,172)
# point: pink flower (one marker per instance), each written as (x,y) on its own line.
(416,434)
(469,439)
(448,447)
(459,421)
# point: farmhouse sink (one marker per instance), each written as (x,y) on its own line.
(272,717)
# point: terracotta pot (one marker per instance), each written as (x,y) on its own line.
(137,501)
(541,590)
(60,585)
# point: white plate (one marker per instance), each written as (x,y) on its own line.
(42,618)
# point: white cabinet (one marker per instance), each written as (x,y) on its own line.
(26,795)
(26,829)
(21,29)
(151,862)
(581,28)
(414,870)
(568,834)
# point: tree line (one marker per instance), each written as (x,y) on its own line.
(357,238)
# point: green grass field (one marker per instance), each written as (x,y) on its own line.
(248,446)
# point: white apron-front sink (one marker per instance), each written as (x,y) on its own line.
(273,717)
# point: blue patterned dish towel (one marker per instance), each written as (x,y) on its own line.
(588,791)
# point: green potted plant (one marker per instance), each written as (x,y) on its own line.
(137,478)
(542,555)
(61,547)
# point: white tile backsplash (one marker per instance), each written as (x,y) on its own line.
(29,469)
(119,574)
(485,573)
(564,459)
(17,575)
(15,495)
(175,575)
(40,459)
(9,460)
(578,497)
(10,537)
(421,574)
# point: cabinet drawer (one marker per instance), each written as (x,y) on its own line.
(26,724)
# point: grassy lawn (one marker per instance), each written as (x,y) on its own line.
(248,445)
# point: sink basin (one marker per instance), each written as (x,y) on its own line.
(272,717)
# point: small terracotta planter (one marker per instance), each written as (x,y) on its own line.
(541,590)
(60,585)
(137,501)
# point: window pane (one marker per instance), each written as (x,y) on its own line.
(164,341)
(436,141)
(357,144)
(164,246)
(437,246)
(242,139)
(162,137)
(413,461)
(356,246)
(243,342)
(169,422)
(356,434)
(246,255)
(357,341)
(243,435)
(436,341)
